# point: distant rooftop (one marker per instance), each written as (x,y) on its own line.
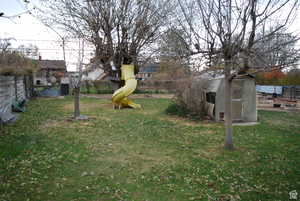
(52,64)
(149,68)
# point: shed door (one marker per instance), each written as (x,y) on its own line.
(237,106)
(237,109)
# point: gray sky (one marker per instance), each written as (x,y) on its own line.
(26,29)
(25,26)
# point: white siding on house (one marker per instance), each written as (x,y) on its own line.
(93,75)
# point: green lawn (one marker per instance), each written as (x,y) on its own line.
(144,155)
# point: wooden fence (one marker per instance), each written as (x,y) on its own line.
(13,89)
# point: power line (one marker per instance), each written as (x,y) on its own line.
(25,11)
(54,49)
(46,40)
(40,40)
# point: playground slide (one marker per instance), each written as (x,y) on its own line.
(120,97)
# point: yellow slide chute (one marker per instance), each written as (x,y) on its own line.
(120,97)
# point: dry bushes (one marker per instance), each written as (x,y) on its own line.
(12,63)
(189,91)
(104,86)
(156,85)
(189,98)
(170,69)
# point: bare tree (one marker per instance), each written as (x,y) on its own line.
(173,44)
(5,43)
(29,50)
(119,29)
(76,81)
(279,50)
(227,32)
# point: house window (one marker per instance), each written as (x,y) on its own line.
(38,82)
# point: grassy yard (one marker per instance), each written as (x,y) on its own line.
(144,155)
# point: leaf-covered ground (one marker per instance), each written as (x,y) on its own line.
(139,155)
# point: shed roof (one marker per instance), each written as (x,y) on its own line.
(213,85)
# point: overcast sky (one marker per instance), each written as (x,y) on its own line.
(28,30)
(23,27)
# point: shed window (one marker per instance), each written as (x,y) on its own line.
(211,97)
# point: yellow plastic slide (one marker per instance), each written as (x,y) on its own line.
(120,97)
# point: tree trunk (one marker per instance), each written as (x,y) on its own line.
(76,102)
(87,85)
(228,105)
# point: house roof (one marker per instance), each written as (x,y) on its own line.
(52,65)
(149,68)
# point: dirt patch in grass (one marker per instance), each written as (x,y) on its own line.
(140,158)
(88,107)
(277,122)
(208,153)
(106,105)
(132,96)
(279,109)
(71,122)
(208,132)
(141,162)
(148,112)
(180,120)
(54,123)
(211,152)
(186,122)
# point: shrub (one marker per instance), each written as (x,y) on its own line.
(189,98)
(179,110)
(156,86)
(12,63)
(104,86)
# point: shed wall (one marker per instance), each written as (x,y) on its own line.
(220,104)
(243,101)
(249,113)
(12,89)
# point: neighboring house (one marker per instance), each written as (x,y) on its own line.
(147,71)
(49,71)
(92,75)
(243,99)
